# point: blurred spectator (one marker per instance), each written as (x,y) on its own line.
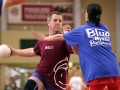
(27,75)
(17,81)
(11,84)
(68,87)
(7,85)
(76,82)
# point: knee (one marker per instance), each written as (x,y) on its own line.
(31,85)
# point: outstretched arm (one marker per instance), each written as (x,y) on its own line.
(41,37)
(29,52)
(56,37)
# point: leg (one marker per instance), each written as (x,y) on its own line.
(31,85)
(48,87)
(39,83)
(34,84)
(114,86)
(97,87)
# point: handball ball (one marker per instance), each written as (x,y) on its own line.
(5,51)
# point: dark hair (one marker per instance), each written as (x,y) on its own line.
(49,15)
(94,13)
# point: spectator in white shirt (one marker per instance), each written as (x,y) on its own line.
(76,82)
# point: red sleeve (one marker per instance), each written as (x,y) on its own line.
(37,49)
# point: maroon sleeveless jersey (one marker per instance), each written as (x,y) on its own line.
(53,65)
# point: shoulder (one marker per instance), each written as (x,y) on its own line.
(80,28)
(104,26)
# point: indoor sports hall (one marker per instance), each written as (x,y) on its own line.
(18,20)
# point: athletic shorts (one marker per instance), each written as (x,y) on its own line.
(47,86)
(107,80)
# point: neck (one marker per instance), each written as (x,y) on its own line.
(53,33)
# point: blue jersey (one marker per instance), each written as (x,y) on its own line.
(95,53)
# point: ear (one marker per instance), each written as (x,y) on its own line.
(48,23)
(86,16)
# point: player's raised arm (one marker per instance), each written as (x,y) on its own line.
(41,37)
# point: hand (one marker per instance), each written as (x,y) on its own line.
(13,50)
(38,36)
(66,28)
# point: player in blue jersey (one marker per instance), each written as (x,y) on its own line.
(92,42)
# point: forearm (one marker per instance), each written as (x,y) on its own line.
(41,37)
(23,52)
(54,37)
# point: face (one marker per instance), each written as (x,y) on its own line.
(55,24)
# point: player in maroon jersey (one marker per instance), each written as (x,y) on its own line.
(52,71)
